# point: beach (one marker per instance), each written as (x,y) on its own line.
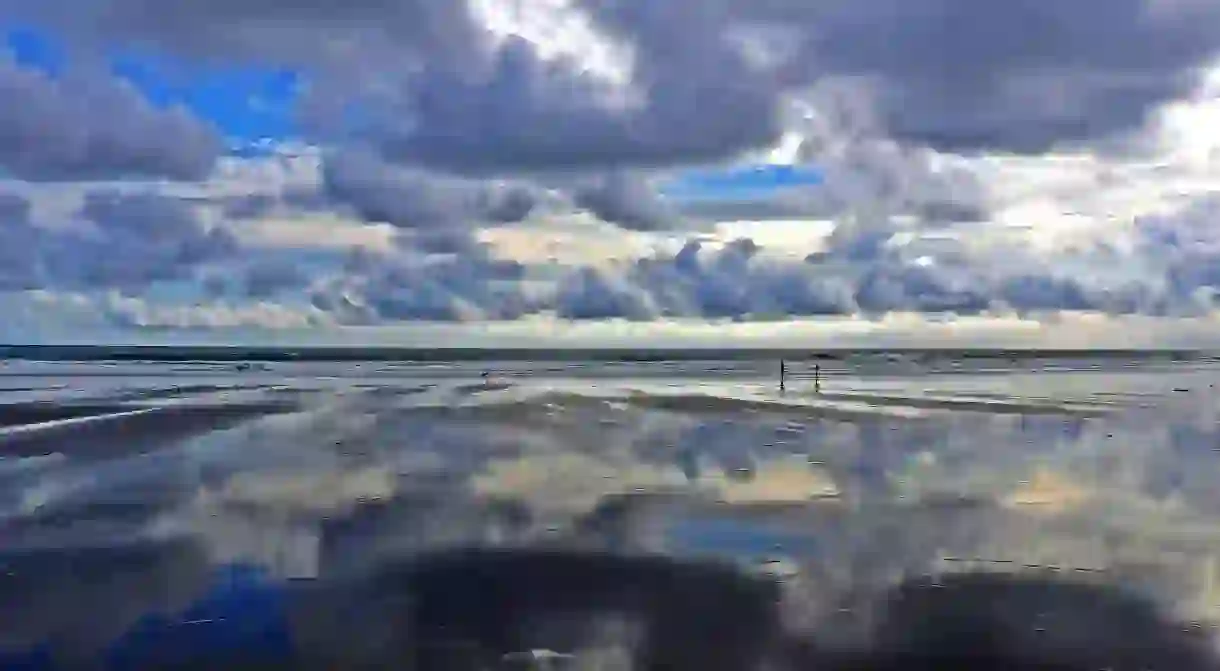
(126,485)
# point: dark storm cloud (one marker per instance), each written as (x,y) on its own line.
(431,90)
(594,294)
(865,268)
(731,282)
(863,170)
(295,198)
(137,239)
(860,272)
(20,263)
(887,288)
(964,75)
(14,209)
(278,32)
(441,241)
(1186,246)
(148,216)
(447,286)
(862,173)
(265,279)
(90,126)
(529,114)
(411,198)
(143,238)
(249,206)
(508,203)
(438,112)
(627,200)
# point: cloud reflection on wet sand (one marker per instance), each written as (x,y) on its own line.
(849,496)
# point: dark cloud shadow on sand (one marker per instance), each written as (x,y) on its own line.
(73,602)
(474,608)
(155,605)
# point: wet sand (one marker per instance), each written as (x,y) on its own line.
(111,431)
(310,472)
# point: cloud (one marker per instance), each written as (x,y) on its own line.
(1015,76)
(627,200)
(738,282)
(732,282)
(444,94)
(249,206)
(1186,248)
(14,209)
(448,87)
(407,286)
(82,316)
(872,265)
(264,280)
(280,33)
(867,266)
(430,129)
(86,125)
(531,114)
(124,241)
(20,266)
(139,313)
(150,237)
(593,294)
(415,199)
(860,172)
(866,272)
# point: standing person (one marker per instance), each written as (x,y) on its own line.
(817,378)
(782,371)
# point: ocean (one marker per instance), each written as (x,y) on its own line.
(130,478)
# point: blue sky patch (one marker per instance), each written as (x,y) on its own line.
(245,104)
(31,49)
(740,183)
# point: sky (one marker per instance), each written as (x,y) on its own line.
(586,172)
